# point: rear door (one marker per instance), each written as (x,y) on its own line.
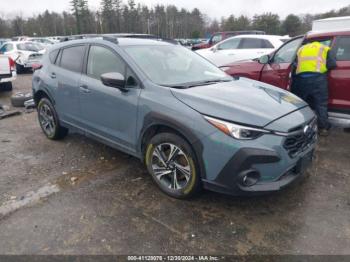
(251,48)
(339,78)
(278,71)
(108,112)
(68,75)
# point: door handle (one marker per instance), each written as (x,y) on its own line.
(85,89)
(53,75)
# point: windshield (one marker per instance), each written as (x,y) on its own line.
(174,65)
(35,47)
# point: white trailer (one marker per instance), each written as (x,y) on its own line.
(7,72)
(332,24)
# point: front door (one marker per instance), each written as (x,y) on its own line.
(339,78)
(108,112)
(278,71)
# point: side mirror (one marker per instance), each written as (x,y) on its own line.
(115,80)
(265,59)
(214,49)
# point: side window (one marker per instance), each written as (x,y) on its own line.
(102,60)
(267,44)
(342,48)
(287,53)
(216,39)
(326,42)
(3,49)
(251,43)
(230,44)
(7,48)
(72,58)
(53,55)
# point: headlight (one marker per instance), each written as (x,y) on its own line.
(236,131)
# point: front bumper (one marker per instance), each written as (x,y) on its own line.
(264,157)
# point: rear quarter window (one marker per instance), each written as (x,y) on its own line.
(254,43)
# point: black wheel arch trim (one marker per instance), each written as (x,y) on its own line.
(46,92)
(154,119)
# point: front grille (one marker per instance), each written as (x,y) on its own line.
(300,141)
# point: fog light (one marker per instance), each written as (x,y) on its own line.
(250,177)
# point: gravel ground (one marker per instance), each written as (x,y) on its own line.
(77,196)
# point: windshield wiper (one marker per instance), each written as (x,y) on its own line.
(199,83)
(209,82)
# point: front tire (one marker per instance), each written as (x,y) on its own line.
(173,166)
(19,69)
(49,122)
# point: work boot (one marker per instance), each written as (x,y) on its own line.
(323,132)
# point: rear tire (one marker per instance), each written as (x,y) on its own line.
(173,166)
(49,121)
(7,86)
(19,68)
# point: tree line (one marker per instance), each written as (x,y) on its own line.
(116,16)
(292,25)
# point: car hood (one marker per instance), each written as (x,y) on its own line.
(241,101)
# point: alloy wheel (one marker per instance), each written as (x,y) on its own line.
(171,166)
(47,120)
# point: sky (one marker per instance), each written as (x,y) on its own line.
(213,8)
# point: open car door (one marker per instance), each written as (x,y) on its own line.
(278,71)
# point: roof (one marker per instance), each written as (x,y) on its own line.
(263,36)
(121,41)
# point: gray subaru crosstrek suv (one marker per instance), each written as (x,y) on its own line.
(191,124)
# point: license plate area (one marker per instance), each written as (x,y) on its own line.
(304,163)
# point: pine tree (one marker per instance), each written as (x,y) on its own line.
(108,16)
(76,13)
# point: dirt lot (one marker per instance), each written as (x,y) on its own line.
(77,196)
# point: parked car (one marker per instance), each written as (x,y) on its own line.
(220,36)
(25,54)
(47,43)
(241,48)
(189,122)
(276,69)
(7,73)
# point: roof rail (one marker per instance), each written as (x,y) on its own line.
(114,38)
(111,39)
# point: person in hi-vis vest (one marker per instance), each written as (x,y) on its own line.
(310,81)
